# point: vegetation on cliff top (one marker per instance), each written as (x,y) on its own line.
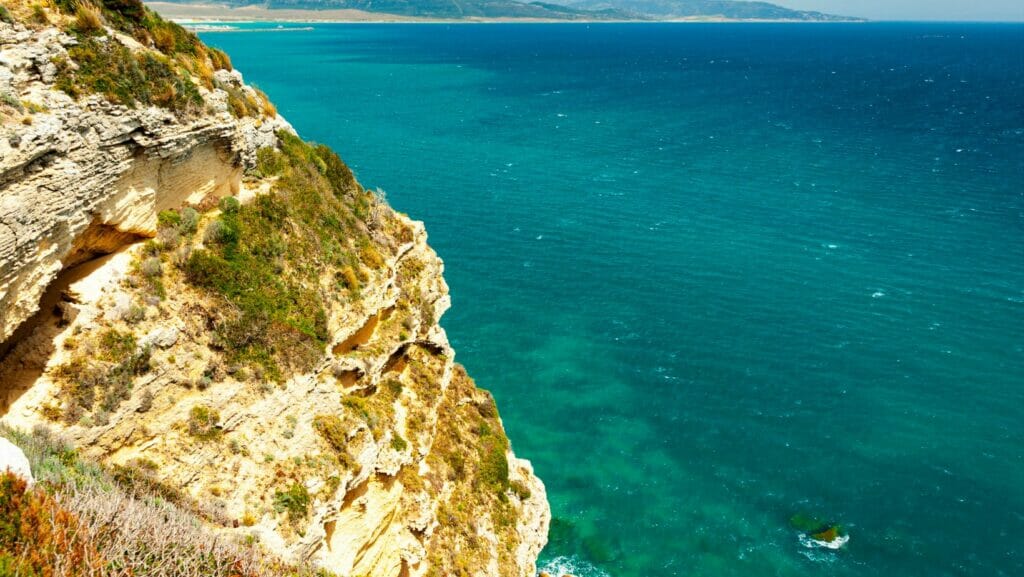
(126,77)
(166,72)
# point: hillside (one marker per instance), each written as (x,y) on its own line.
(727,9)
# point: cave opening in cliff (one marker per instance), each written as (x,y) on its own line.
(397,361)
(347,378)
(358,338)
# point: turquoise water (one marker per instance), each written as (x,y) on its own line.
(716,276)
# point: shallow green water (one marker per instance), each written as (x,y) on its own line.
(715,275)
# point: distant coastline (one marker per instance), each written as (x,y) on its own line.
(196,15)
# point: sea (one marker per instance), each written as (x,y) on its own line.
(728,282)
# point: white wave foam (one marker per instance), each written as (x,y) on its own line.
(571,566)
(835,544)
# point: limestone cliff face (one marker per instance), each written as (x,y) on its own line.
(353,441)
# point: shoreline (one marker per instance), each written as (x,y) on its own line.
(198,25)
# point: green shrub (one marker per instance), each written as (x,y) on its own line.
(206,269)
(398,443)
(115,345)
(359,406)
(130,11)
(189,221)
(202,423)
(11,100)
(151,267)
(266,258)
(229,205)
(5,15)
(520,490)
(269,162)
(343,182)
(394,387)
(332,430)
(172,39)
(220,232)
(295,501)
(494,467)
(168,218)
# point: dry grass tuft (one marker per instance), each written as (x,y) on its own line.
(88,19)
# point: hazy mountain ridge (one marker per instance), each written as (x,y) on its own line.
(558,10)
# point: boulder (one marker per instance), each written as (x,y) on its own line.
(161,337)
(13,459)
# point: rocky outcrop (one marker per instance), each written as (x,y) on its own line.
(376,456)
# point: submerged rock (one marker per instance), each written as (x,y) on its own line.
(815,533)
(828,535)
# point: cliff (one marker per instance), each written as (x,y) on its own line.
(191,292)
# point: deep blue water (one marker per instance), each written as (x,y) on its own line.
(716,275)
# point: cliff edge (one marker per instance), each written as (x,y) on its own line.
(191,292)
